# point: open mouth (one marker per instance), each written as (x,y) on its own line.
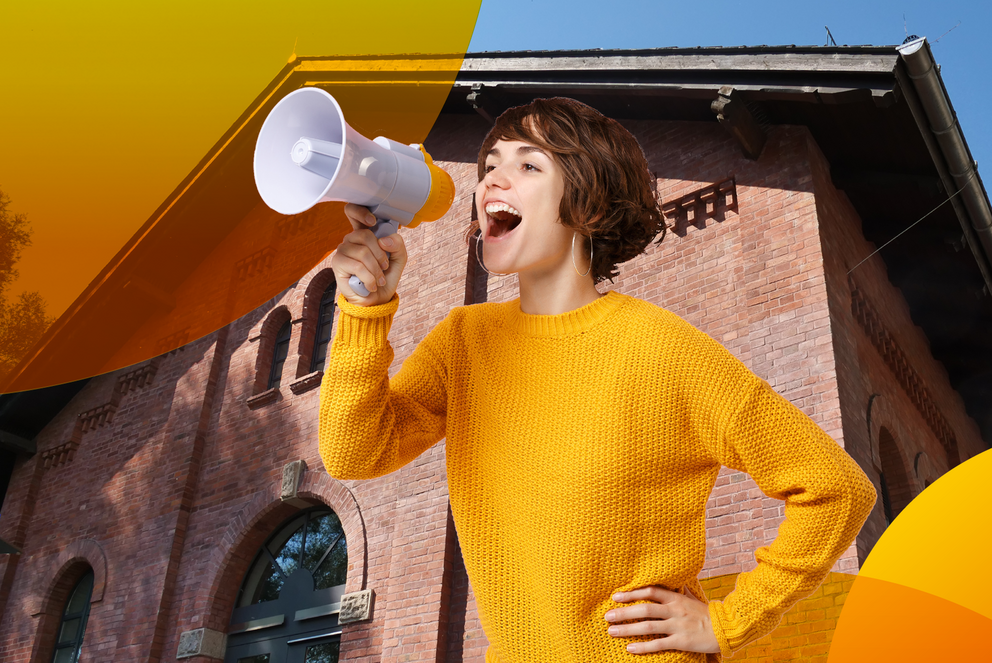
(502,219)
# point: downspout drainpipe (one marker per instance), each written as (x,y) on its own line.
(958,170)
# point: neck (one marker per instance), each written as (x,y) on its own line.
(556,293)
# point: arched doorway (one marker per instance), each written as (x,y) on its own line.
(287,609)
(896,491)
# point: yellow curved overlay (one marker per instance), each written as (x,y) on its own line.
(925,591)
(85,141)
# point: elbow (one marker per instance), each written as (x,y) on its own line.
(860,494)
(867,495)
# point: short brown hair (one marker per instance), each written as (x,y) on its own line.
(609,193)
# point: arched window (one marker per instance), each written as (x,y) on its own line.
(896,490)
(70,634)
(279,355)
(325,320)
(287,609)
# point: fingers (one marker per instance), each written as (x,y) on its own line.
(661,644)
(659,608)
(684,621)
(360,217)
(651,627)
(639,611)
(652,593)
(362,253)
(378,263)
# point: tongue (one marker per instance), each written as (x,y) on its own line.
(504,223)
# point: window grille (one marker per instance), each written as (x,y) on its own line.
(288,605)
(325,321)
(279,355)
(73,626)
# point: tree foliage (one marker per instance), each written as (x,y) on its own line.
(15,234)
(23,321)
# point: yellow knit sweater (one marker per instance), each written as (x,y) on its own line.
(581,450)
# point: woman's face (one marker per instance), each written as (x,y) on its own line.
(518,201)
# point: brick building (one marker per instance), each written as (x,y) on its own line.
(166,506)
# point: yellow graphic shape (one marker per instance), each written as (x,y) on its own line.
(211,252)
(925,591)
(883,621)
(806,630)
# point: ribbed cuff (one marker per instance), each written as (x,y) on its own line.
(721,638)
(365,326)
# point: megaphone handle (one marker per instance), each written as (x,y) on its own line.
(383,228)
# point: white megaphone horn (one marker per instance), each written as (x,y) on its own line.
(307,154)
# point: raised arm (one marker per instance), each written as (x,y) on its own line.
(371,425)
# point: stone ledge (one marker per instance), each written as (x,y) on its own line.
(202,642)
(264,398)
(307,382)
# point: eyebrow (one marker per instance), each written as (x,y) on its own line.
(525,149)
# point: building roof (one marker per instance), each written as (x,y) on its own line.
(879,115)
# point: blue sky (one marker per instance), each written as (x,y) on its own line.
(963,53)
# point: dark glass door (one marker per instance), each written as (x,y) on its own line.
(287,610)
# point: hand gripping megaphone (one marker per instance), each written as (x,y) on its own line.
(307,154)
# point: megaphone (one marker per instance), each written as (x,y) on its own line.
(307,154)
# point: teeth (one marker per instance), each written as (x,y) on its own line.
(492,208)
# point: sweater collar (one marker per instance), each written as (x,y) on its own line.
(565,324)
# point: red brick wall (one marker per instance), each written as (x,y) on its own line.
(126,494)
(181,488)
(861,371)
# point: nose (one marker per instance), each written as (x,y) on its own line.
(497,178)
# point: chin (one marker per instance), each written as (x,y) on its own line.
(498,265)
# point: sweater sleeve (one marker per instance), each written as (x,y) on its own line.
(827,499)
(371,425)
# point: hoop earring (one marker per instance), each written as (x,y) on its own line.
(478,256)
(572,254)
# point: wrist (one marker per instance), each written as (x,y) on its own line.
(717,626)
(368,311)
(364,326)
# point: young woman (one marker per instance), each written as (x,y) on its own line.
(584,431)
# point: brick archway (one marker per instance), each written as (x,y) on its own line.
(249,527)
(83,552)
(266,344)
(879,414)
(924,469)
(313,294)
(50,591)
(320,486)
(898,486)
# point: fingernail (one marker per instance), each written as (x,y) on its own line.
(618,596)
(632,648)
(613,630)
(370,219)
(385,265)
(382,281)
(386,242)
(610,615)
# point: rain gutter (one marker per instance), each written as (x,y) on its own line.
(938,123)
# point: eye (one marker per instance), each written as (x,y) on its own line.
(531,167)
(488,168)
